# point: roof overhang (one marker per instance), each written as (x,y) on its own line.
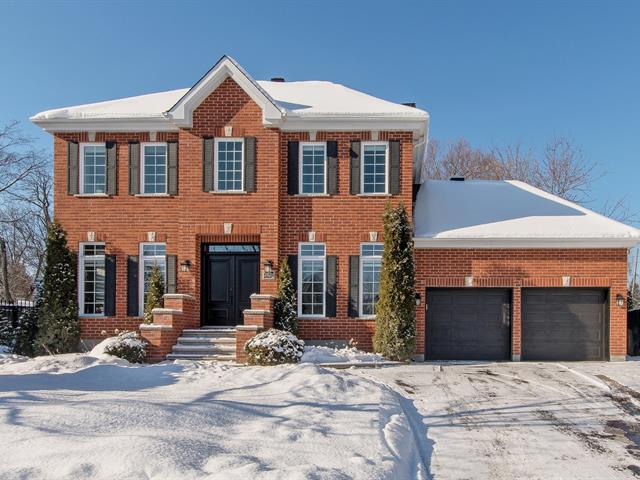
(152,124)
(532,242)
(181,114)
(354,124)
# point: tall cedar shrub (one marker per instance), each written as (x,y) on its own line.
(395,335)
(285,306)
(154,296)
(58,325)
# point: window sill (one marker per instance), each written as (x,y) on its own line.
(374,195)
(92,195)
(87,316)
(225,192)
(152,195)
(313,195)
(314,317)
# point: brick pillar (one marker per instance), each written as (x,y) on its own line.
(256,319)
(516,323)
(179,312)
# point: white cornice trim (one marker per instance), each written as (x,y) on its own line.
(350,124)
(107,125)
(525,242)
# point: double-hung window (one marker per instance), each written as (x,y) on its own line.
(151,254)
(154,168)
(375,167)
(370,263)
(229,164)
(312,280)
(313,168)
(93,168)
(92,279)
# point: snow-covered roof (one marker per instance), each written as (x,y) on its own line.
(299,104)
(509,213)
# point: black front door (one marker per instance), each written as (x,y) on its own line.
(231,275)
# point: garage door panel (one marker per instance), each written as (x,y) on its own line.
(570,324)
(468,324)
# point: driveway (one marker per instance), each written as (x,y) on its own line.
(525,420)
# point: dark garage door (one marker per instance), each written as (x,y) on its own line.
(564,324)
(468,324)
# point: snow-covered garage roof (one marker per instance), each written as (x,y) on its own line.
(298,105)
(491,214)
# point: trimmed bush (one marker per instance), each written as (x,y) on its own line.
(154,295)
(127,345)
(285,309)
(274,347)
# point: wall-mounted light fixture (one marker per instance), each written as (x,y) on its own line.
(417,299)
(268,268)
(185,265)
(620,301)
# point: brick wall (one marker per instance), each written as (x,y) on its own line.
(518,268)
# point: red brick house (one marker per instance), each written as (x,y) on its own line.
(219,183)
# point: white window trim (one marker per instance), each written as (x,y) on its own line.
(81,260)
(141,259)
(83,145)
(300,148)
(166,168)
(216,169)
(360,273)
(386,169)
(324,279)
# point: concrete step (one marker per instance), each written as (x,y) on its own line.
(188,356)
(213,349)
(209,332)
(207,340)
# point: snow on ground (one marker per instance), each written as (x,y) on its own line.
(525,420)
(79,416)
(347,355)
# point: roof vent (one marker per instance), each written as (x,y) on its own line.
(278,79)
(457,178)
(410,104)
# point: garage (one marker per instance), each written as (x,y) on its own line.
(468,324)
(564,324)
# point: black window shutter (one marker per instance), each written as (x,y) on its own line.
(207,164)
(112,168)
(332,270)
(172,168)
(354,285)
(292,260)
(332,167)
(110,285)
(134,168)
(133,307)
(72,168)
(292,167)
(394,167)
(250,164)
(172,264)
(354,180)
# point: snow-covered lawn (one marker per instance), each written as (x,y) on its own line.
(525,420)
(76,416)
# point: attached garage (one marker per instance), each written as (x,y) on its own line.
(468,324)
(564,324)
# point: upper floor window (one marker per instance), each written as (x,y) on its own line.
(370,264)
(312,279)
(313,171)
(93,168)
(229,168)
(92,279)
(151,254)
(374,167)
(154,168)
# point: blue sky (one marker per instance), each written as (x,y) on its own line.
(494,72)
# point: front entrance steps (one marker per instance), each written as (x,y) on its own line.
(206,343)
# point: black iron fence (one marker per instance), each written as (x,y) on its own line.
(12,311)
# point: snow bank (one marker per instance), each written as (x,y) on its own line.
(67,363)
(350,355)
(192,420)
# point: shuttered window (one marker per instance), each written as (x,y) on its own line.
(151,254)
(92,279)
(312,280)
(93,168)
(153,179)
(374,167)
(370,264)
(313,168)
(229,168)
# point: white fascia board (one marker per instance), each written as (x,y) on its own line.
(488,243)
(156,124)
(182,112)
(354,123)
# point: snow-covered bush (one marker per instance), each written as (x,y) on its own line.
(127,345)
(285,311)
(274,347)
